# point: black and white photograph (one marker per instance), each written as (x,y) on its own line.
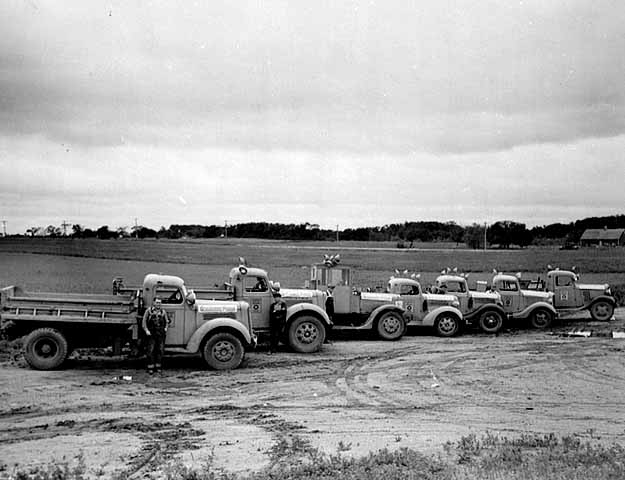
(280,240)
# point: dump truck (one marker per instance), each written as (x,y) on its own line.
(519,304)
(441,312)
(481,309)
(571,296)
(57,323)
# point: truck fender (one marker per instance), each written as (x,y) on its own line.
(430,318)
(603,298)
(382,309)
(193,346)
(308,308)
(533,307)
(477,313)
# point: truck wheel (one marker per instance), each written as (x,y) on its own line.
(541,318)
(45,348)
(491,321)
(306,334)
(390,326)
(223,351)
(447,325)
(601,311)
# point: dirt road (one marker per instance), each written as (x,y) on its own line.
(355,396)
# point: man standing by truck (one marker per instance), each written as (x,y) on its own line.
(155,323)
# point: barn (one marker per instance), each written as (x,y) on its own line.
(603,237)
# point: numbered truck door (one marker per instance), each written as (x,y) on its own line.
(564,292)
(257,293)
(173,303)
(510,295)
(413,302)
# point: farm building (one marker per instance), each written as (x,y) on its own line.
(603,237)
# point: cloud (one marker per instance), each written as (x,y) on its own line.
(385,76)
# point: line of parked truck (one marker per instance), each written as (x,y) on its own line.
(223,323)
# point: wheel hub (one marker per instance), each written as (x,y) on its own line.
(223,351)
(306,333)
(45,349)
(391,325)
(447,324)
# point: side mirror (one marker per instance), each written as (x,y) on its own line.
(191,298)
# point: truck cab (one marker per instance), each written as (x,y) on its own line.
(571,296)
(535,306)
(353,309)
(307,323)
(482,309)
(427,309)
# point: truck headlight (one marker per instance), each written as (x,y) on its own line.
(455,304)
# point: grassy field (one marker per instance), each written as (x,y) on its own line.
(89,265)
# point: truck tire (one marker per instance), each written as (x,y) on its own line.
(45,349)
(390,326)
(223,351)
(541,318)
(306,334)
(601,311)
(447,325)
(491,321)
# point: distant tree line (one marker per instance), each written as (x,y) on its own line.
(503,233)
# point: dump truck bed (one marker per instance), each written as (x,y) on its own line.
(19,305)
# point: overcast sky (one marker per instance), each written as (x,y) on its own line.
(333,112)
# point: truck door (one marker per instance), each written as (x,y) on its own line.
(413,302)
(257,293)
(510,295)
(564,291)
(173,303)
(458,288)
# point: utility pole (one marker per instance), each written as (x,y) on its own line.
(65,225)
(485,228)
(337,233)
(226,229)
(4,228)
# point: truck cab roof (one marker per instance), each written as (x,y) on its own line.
(170,280)
(501,277)
(249,271)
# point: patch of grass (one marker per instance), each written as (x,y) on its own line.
(55,471)
(528,457)
(535,457)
